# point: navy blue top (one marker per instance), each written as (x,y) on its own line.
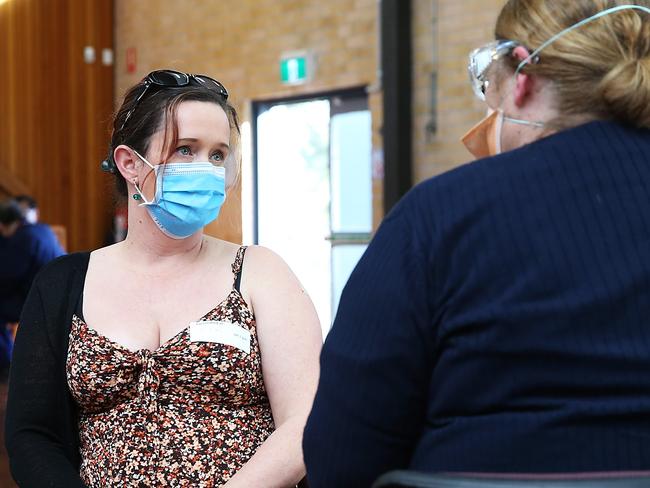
(499,321)
(21,257)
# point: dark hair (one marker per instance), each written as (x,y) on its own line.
(26,199)
(158,109)
(10,212)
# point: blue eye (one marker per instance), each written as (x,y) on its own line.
(218,157)
(184,151)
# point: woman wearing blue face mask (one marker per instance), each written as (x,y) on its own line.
(499,321)
(171,358)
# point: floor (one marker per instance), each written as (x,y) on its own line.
(5,477)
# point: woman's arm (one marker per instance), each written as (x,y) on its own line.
(33,427)
(290,339)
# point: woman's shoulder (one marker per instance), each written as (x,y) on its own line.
(253,255)
(262,258)
(265,270)
(260,267)
(259,263)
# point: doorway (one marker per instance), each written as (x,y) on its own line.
(313,188)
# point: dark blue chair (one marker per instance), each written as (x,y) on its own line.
(411,479)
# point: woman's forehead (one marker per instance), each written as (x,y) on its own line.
(195,115)
(203,121)
(196,121)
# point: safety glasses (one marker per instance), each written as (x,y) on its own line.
(169,78)
(480,60)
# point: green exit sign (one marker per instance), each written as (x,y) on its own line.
(294,69)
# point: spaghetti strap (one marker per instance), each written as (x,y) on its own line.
(237,267)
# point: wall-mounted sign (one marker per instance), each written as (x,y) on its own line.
(296,67)
(131,60)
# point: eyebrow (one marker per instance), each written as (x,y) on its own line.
(193,139)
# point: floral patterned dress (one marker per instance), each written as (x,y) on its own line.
(188,414)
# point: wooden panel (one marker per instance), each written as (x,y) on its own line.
(10,184)
(55,110)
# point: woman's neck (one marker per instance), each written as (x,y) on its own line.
(146,245)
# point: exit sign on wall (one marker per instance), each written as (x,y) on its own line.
(295,68)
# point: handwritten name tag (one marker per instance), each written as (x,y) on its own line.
(221,332)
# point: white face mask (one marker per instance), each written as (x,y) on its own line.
(31,216)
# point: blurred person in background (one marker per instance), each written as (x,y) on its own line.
(500,319)
(25,248)
(171,358)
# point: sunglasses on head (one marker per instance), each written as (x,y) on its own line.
(167,78)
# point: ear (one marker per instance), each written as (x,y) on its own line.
(523,82)
(127,162)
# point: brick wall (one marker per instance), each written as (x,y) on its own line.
(240,43)
(444,32)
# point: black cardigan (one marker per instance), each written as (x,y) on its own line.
(42,433)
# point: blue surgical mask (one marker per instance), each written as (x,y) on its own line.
(188,196)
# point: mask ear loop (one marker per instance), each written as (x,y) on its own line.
(497,134)
(535,53)
(540,125)
(135,182)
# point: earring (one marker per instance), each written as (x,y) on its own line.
(136,196)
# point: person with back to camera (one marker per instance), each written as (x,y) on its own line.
(500,319)
(171,358)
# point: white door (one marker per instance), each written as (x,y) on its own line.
(313,190)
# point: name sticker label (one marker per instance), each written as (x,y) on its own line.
(221,332)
